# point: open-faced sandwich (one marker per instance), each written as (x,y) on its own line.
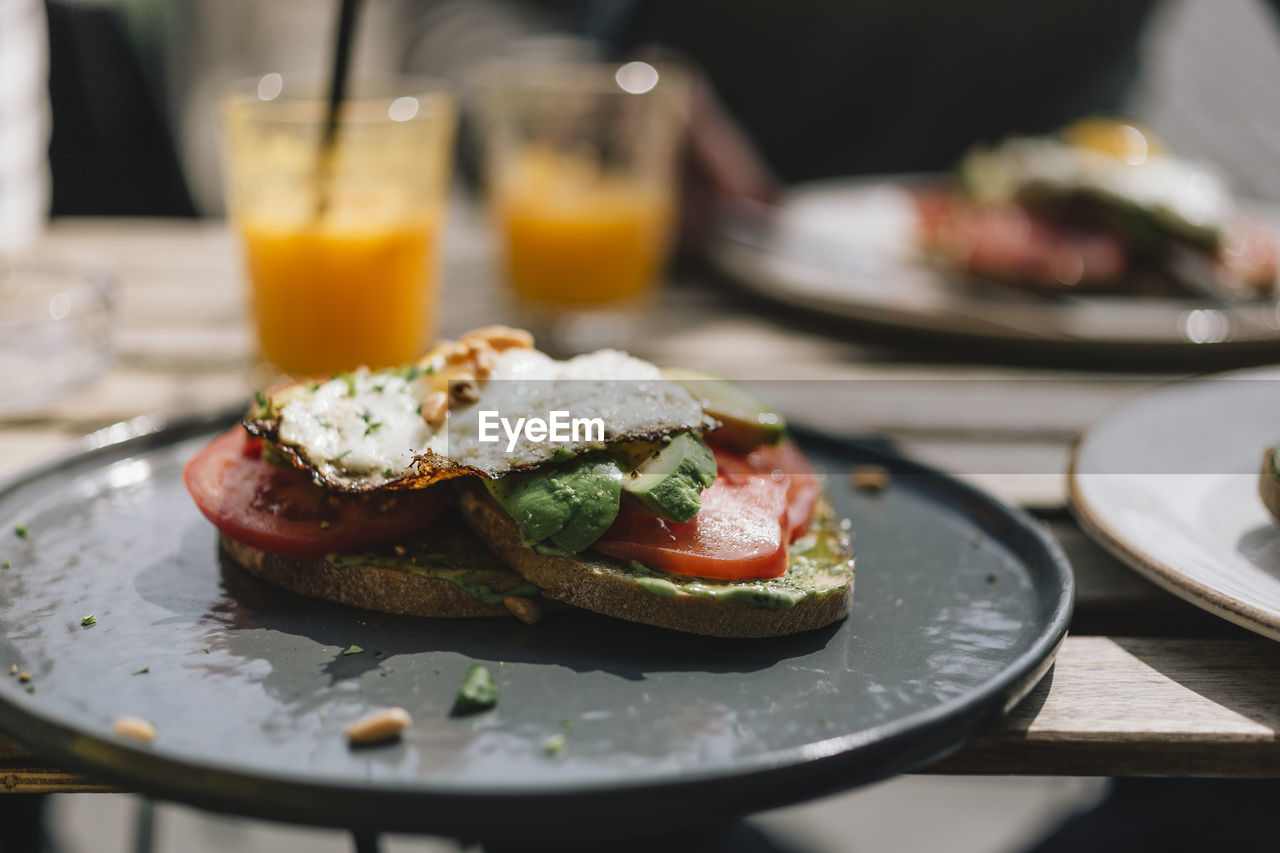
(1100,207)
(600,481)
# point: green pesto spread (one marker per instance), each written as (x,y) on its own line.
(450,554)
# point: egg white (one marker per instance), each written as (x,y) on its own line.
(364,430)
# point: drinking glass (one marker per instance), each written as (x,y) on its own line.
(340,242)
(581,166)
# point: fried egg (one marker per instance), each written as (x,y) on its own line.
(365,430)
(1187,197)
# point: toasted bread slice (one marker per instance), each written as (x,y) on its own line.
(816,590)
(448,575)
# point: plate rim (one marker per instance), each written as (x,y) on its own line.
(1147,565)
(796,773)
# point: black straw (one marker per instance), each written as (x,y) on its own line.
(348,15)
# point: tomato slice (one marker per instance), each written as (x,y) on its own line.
(737,534)
(785,461)
(281,511)
(757,506)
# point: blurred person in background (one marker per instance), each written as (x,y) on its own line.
(791,92)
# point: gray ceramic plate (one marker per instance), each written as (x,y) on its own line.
(845,248)
(960,605)
(1169,483)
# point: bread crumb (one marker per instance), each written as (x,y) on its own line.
(135,728)
(870,478)
(378,727)
(526,610)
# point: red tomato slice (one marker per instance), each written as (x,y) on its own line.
(786,461)
(737,534)
(281,511)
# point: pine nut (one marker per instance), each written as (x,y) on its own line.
(526,610)
(454,352)
(502,337)
(24,677)
(379,726)
(871,478)
(434,407)
(463,390)
(484,358)
(135,728)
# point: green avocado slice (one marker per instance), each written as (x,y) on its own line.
(570,505)
(669,482)
(746,421)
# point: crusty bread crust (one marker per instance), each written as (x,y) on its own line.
(601,584)
(369,587)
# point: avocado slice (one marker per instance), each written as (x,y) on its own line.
(669,482)
(747,421)
(570,505)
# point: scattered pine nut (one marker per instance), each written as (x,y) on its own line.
(24,677)
(463,389)
(484,358)
(13,670)
(526,610)
(434,407)
(135,728)
(380,726)
(501,337)
(870,478)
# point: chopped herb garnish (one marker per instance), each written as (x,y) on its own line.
(419,408)
(353,650)
(371,427)
(86,621)
(477,693)
(350,380)
(378,654)
(142,671)
(206,651)
(30,688)
(6,564)
(343,455)
(388,473)
(566,726)
(21,531)
(555,744)
(378,389)
(260,399)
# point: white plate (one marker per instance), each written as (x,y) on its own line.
(845,248)
(1169,483)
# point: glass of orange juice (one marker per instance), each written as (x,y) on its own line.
(340,242)
(580,166)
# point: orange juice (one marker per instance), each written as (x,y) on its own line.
(340,240)
(334,296)
(573,236)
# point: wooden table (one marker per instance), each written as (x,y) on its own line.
(1145,684)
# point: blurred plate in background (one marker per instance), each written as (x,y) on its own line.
(846,249)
